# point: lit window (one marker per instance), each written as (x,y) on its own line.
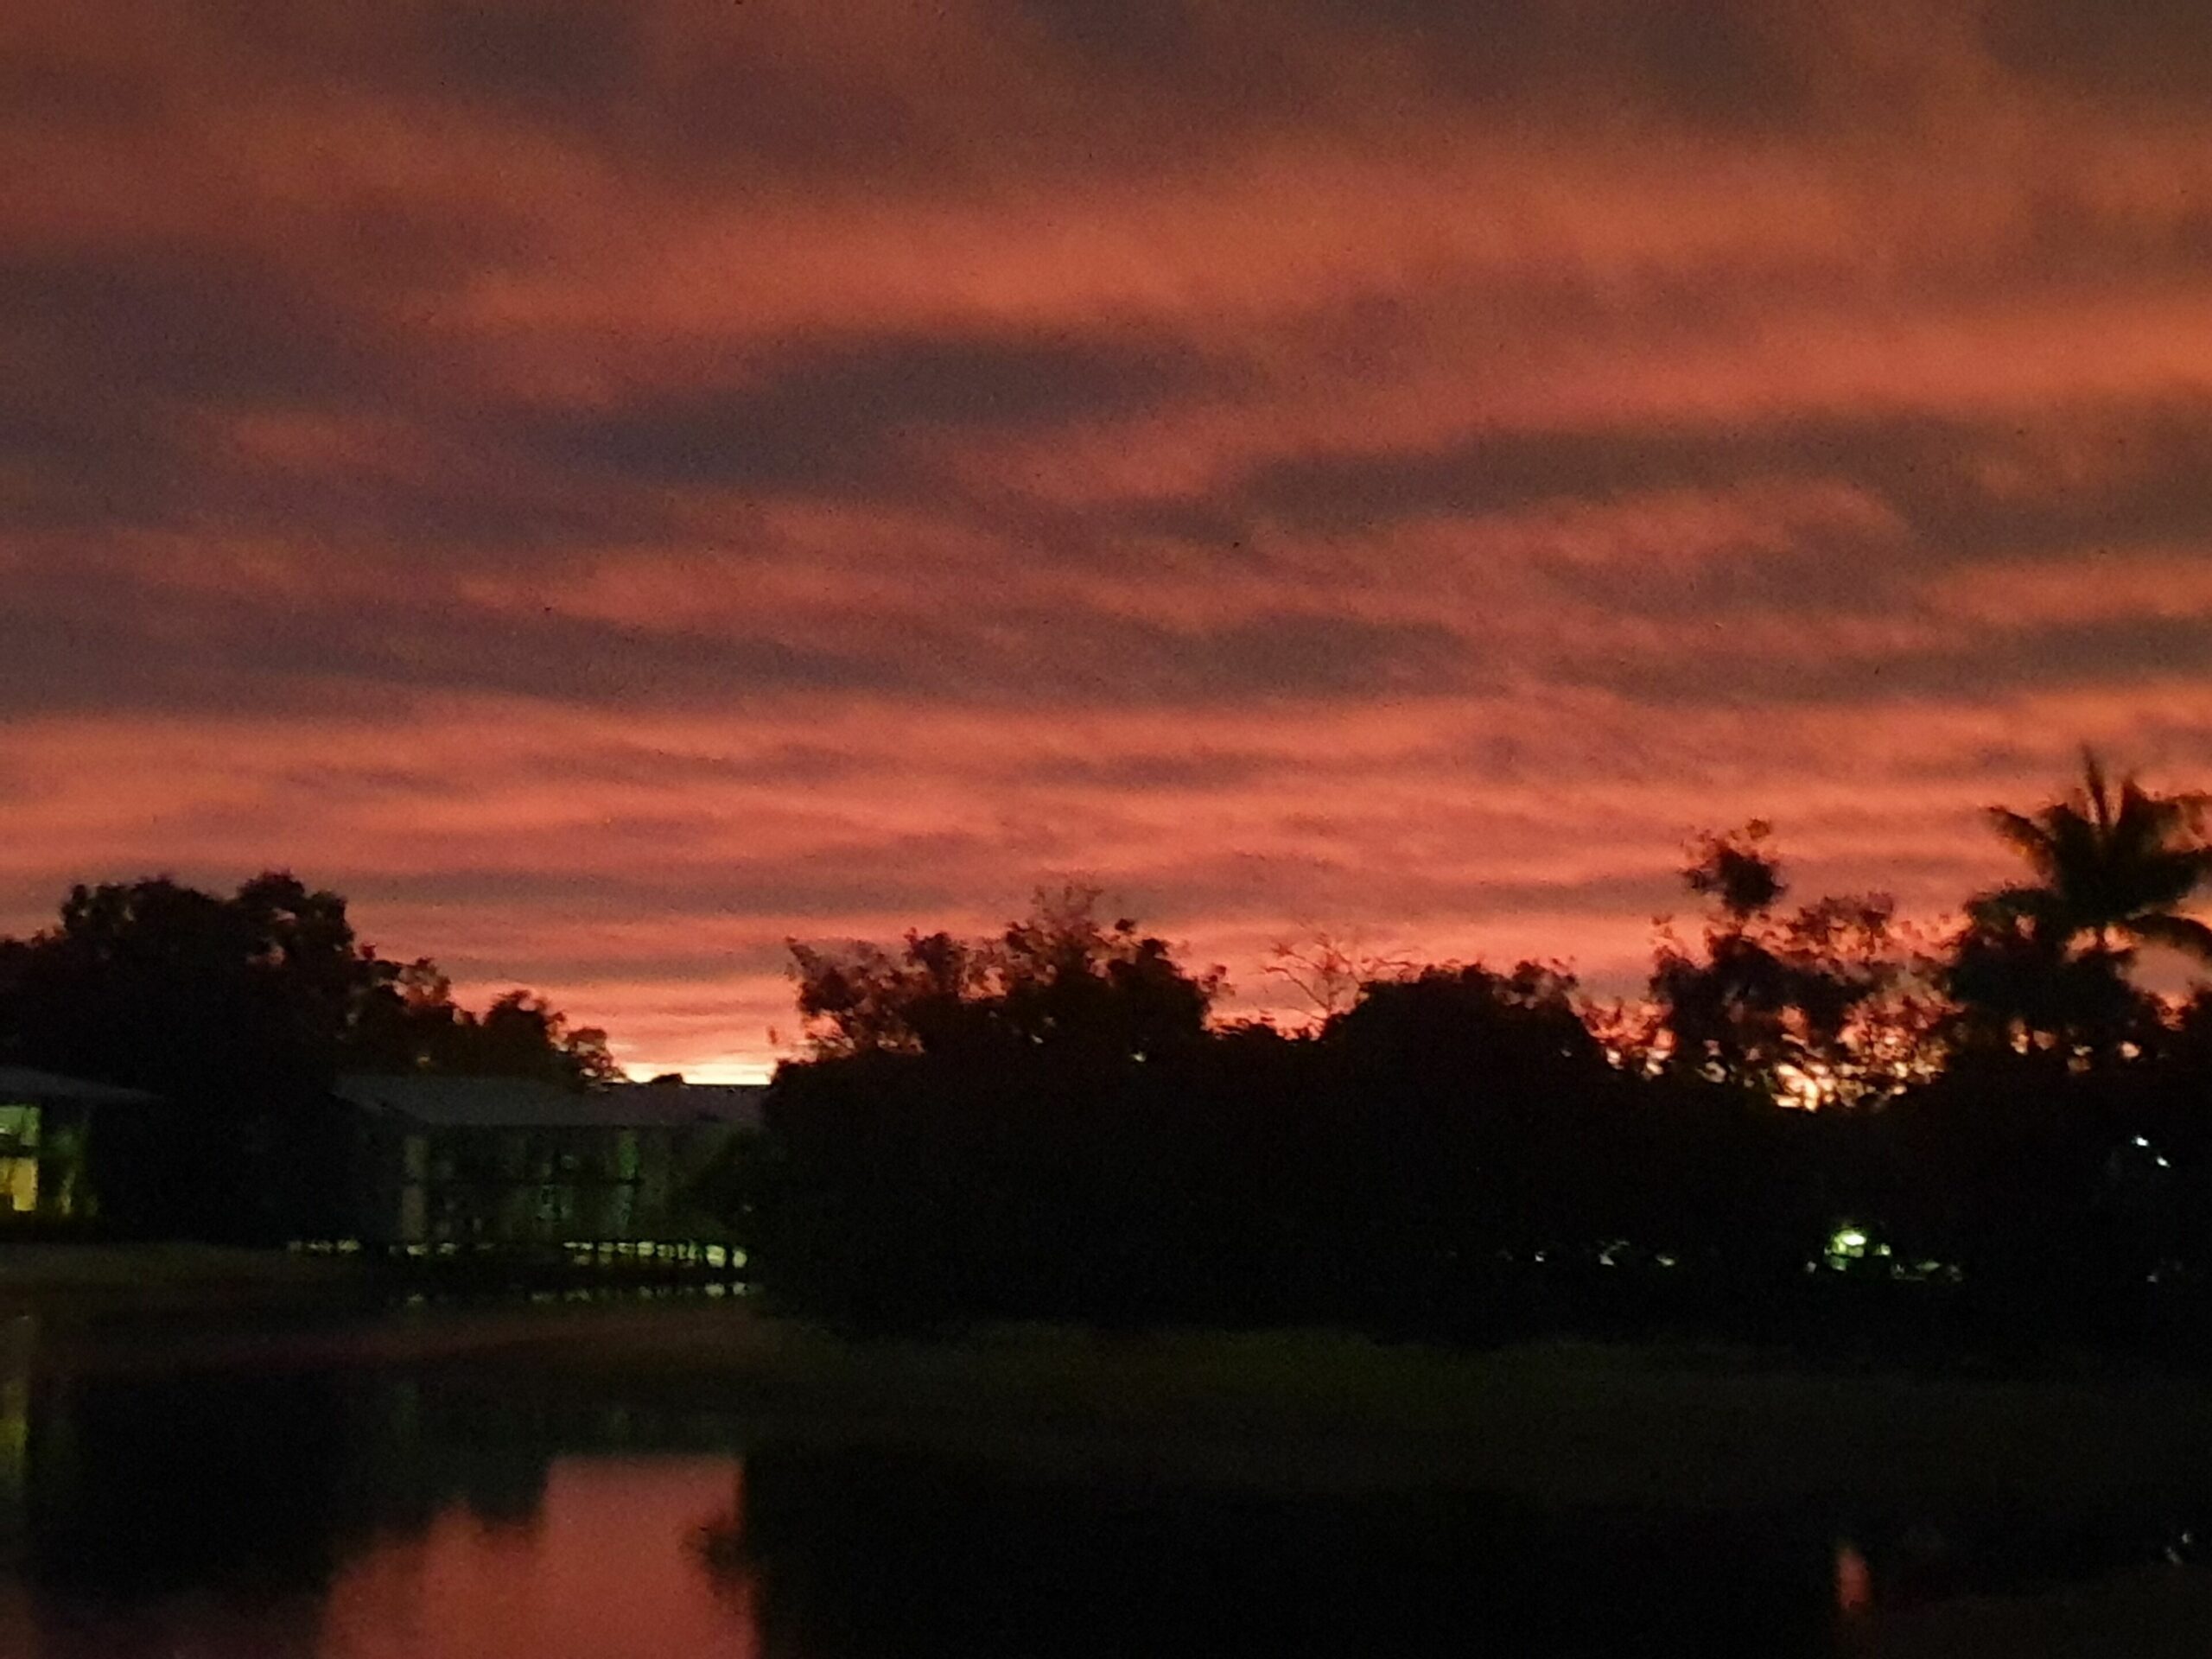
(19,1127)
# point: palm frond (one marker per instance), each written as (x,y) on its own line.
(2150,823)
(2183,933)
(2034,912)
(2096,790)
(2165,879)
(2108,855)
(2078,867)
(2027,837)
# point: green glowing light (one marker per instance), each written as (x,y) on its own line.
(1848,1243)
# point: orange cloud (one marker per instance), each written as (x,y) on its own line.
(613,487)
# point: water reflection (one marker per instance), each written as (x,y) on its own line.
(604,1568)
(886,1555)
(1854,1581)
(310,1512)
(307,1512)
(600,1569)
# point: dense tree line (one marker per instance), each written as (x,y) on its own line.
(240,1011)
(1820,1120)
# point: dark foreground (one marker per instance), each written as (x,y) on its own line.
(648,1479)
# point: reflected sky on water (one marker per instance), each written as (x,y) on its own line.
(608,1567)
(604,1566)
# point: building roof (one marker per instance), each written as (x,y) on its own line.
(524,1104)
(737,1105)
(25,1085)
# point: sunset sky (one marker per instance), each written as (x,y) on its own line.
(610,486)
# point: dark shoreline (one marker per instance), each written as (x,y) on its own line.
(1693,1424)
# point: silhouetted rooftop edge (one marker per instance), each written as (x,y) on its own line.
(29,1085)
(526,1103)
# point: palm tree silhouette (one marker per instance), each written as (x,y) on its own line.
(2116,867)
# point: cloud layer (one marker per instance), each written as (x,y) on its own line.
(614,484)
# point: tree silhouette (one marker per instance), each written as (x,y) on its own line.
(410,1022)
(1326,972)
(232,1003)
(1059,978)
(2044,964)
(1817,1005)
(2110,866)
(523,1035)
(240,1011)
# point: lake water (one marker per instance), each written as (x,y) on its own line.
(307,1510)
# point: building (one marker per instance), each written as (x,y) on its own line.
(511,1162)
(48,1127)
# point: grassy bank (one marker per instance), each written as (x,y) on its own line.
(67,1283)
(2155,1612)
(159,1274)
(1558,1422)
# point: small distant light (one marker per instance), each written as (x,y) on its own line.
(2140,1142)
(2163,1163)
